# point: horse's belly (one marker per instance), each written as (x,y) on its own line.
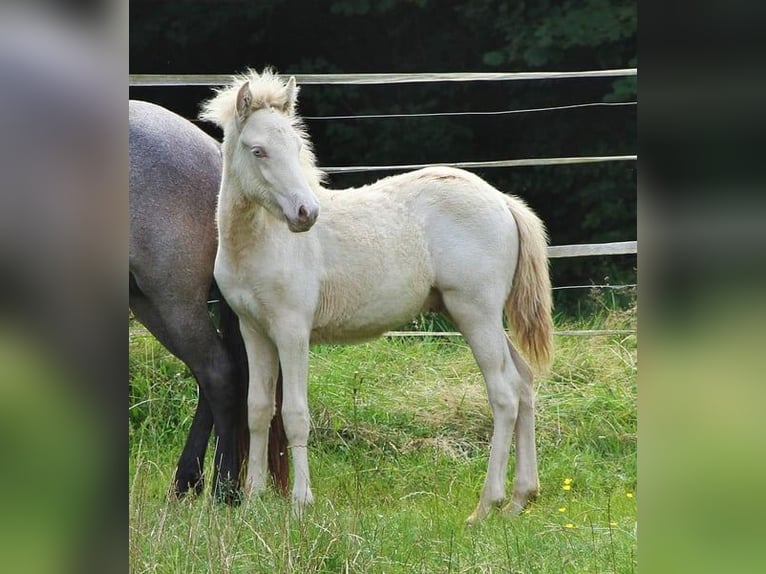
(367,314)
(342,334)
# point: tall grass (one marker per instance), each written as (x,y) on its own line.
(398,453)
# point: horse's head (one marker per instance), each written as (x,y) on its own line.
(266,147)
(269,156)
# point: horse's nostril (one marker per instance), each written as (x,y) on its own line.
(303,215)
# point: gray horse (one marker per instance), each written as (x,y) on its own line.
(175,170)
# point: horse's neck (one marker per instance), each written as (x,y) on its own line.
(238,218)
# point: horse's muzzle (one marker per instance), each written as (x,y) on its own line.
(305,219)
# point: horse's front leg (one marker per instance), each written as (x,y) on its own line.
(263,366)
(293,345)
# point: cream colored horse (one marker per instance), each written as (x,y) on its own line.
(301,264)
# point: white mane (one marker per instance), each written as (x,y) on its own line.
(268,90)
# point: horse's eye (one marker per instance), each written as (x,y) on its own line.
(258,151)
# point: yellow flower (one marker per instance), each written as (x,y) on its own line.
(563,509)
(612,524)
(567,487)
(569,525)
(629,494)
(567,481)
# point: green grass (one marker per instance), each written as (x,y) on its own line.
(398,453)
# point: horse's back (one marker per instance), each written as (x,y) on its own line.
(471,232)
(171,156)
(466,225)
(175,170)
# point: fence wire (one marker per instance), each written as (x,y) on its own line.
(472,113)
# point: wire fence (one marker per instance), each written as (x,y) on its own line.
(594,286)
(216,80)
(473,113)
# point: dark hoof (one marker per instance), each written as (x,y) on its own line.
(189,485)
(228,492)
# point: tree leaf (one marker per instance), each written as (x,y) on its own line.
(494,58)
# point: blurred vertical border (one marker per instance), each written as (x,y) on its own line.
(702,318)
(63,296)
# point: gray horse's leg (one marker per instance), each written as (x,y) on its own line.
(189,474)
(188,333)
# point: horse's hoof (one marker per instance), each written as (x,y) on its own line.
(191,485)
(229,497)
(476,516)
(518,504)
(228,492)
(300,504)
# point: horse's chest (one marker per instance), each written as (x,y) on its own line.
(256,289)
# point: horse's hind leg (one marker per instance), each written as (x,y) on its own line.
(189,469)
(187,332)
(216,375)
(483,330)
(189,475)
(526,484)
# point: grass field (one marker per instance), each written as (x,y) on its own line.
(398,453)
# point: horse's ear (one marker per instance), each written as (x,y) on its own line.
(292,95)
(244,99)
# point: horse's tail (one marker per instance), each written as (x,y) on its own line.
(530,303)
(278,460)
(279,463)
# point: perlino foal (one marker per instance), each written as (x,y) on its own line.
(301,264)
